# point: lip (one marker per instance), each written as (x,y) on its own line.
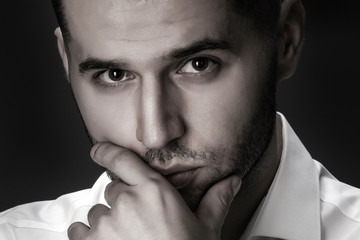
(181,179)
(178,175)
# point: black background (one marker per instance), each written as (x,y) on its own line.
(44,148)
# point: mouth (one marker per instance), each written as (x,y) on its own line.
(178,175)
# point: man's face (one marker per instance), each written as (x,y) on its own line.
(184,84)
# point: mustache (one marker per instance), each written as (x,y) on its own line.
(172,150)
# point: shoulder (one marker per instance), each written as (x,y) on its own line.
(339,206)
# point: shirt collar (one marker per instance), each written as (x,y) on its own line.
(291,209)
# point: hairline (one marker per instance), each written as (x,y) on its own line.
(257,21)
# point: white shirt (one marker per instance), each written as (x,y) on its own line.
(304,202)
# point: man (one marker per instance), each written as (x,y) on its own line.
(179,100)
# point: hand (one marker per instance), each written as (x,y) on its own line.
(144,205)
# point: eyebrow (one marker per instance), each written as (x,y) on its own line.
(94,63)
(196,47)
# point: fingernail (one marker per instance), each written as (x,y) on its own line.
(236,184)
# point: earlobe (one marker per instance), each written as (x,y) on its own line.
(291,36)
(62,50)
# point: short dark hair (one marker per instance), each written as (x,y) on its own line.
(59,9)
(263,13)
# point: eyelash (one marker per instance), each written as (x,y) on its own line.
(199,75)
(96,79)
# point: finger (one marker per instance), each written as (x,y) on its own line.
(96,212)
(214,206)
(77,231)
(123,162)
(113,191)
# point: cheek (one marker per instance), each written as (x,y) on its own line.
(218,114)
(108,117)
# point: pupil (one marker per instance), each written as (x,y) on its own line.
(200,64)
(116,74)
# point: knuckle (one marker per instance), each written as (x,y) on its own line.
(94,209)
(99,150)
(225,200)
(155,180)
(102,223)
(73,231)
(155,186)
(124,154)
(121,158)
(109,188)
(96,213)
(124,202)
(124,198)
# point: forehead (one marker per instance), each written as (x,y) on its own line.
(97,24)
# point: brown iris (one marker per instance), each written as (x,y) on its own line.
(200,64)
(116,74)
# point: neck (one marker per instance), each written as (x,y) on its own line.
(254,187)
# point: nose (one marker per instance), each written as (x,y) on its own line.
(159,119)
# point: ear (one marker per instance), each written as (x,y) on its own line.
(62,50)
(291,36)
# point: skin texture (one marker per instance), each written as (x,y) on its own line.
(219,120)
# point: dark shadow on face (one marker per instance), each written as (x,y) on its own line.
(243,156)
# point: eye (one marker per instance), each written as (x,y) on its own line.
(197,65)
(115,75)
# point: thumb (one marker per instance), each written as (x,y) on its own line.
(215,205)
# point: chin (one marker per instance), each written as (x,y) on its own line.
(193,193)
